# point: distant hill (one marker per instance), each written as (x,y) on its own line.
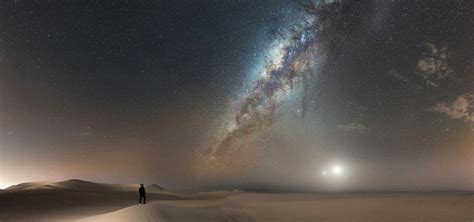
(154,188)
(76,184)
(29,185)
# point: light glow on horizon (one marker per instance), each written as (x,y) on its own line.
(335,170)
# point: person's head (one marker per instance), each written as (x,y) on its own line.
(141,185)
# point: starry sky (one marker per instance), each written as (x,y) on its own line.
(199,95)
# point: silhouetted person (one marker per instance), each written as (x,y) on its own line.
(141,190)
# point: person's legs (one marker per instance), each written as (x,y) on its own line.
(142,197)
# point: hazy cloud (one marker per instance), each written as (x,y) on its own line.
(352,127)
(461,108)
(433,66)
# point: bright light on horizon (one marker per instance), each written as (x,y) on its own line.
(333,170)
(337,170)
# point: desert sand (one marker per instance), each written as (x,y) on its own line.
(302,207)
(83,201)
(71,199)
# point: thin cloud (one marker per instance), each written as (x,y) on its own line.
(433,66)
(352,127)
(461,108)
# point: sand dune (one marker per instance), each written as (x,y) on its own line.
(71,199)
(29,185)
(82,185)
(303,207)
(77,200)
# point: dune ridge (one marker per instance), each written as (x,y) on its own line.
(71,199)
(77,184)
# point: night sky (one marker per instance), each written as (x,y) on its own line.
(196,95)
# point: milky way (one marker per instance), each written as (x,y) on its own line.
(290,61)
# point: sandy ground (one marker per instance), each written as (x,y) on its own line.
(303,207)
(90,202)
(70,200)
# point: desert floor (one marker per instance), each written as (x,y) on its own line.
(303,207)
(87,202)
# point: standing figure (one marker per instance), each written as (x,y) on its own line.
(141,190)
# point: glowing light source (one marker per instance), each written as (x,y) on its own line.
(336,170)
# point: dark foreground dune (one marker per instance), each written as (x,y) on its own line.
(72,199)
(90,202)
